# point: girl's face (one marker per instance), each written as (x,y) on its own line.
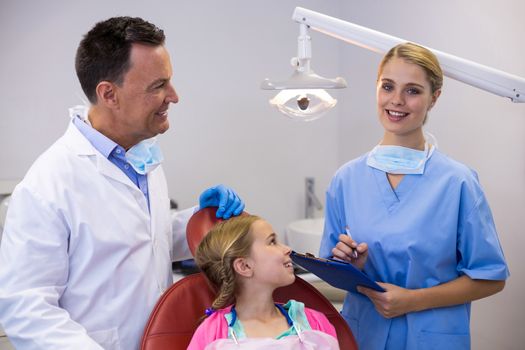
(404,96)
(270,260)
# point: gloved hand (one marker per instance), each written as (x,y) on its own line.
(223,197)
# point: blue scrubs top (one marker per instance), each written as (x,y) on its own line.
(433,228)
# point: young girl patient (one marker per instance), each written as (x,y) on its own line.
(245,262)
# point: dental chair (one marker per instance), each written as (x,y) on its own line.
(182,307)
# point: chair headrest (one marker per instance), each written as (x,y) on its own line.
(199,225)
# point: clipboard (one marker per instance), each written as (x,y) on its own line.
(337,273)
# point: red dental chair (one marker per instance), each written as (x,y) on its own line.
(181,308)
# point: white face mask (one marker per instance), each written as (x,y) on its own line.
(398,159)
(145,156)
(80,111)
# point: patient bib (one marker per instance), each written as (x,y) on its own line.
(305,340)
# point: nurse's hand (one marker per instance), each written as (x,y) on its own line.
(344,250)
(396,301)
(225,198)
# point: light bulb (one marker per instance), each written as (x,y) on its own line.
(303,104)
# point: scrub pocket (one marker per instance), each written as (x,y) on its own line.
(108,338)
(449,341)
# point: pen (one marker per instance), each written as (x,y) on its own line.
(354,251)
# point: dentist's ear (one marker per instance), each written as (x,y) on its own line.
(243,267)
(106,94)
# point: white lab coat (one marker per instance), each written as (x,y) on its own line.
(82,261)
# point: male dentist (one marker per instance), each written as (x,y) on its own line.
(89,239)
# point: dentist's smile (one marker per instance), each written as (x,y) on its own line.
(163,114)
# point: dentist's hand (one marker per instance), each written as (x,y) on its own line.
(223,197)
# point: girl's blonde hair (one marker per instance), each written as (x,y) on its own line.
(227,241)
(420,56)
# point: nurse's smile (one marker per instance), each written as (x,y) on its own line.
(395,116)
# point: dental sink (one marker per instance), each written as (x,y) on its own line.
(304,236)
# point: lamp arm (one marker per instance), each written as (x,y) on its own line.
(304,50)
(486,78)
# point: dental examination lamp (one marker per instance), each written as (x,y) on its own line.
(303,97)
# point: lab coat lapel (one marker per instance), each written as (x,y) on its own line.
(153,202)
(108,169)
(157,189)
(161,230)
(83,148)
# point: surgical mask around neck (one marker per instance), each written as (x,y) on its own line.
(80,111)
(145,156)
(399,159)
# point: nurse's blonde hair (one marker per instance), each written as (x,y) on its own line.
(227,241)
(417,55)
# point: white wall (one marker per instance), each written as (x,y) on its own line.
(481,130)
(223,130)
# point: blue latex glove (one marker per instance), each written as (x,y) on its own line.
(223,197)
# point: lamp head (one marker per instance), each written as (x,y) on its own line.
(302,96)
(303,104)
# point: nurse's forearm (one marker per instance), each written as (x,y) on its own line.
(459,291)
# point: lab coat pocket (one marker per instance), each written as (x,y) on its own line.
(434,340)
(107,338)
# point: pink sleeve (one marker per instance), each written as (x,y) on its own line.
(319,322)
(214,327)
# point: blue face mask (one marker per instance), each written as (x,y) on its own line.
(398,159)
(145,156)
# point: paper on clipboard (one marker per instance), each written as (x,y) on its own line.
(337,273)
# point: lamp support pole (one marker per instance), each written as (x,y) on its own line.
(483,77)
(304,50)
